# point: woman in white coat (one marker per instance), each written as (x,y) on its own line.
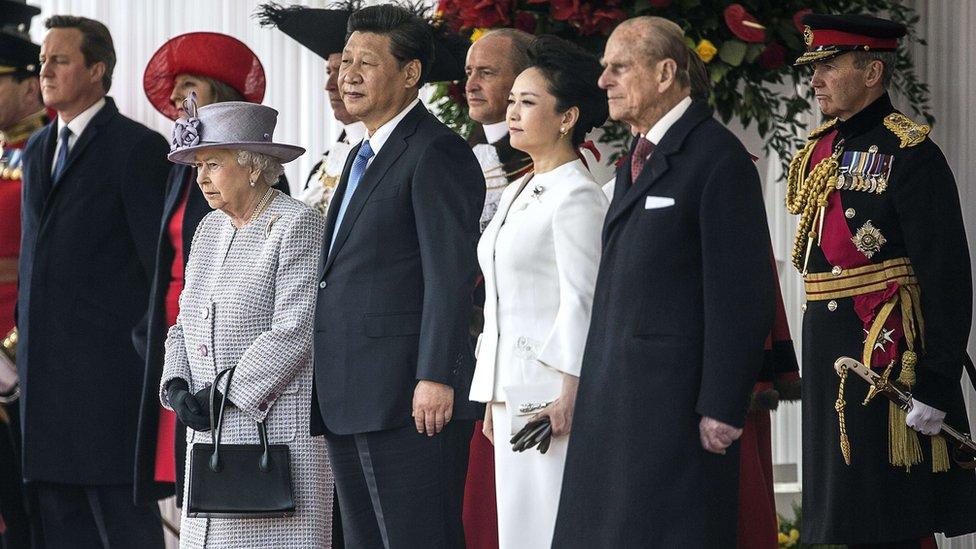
(540,255)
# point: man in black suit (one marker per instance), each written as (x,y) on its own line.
(398,267)
(682,308)
(92,198)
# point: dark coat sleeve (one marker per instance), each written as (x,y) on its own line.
(146,171)
(448,194)
(927,203)
(737,281)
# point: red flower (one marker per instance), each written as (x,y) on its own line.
(456,92)
(525,21)
(602,20)
(485,13)
(743,24)
(660,3)
(564,10)
(773,57)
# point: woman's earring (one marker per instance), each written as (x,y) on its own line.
(563,132)
(253,182)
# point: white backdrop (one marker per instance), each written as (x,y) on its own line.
(296,78)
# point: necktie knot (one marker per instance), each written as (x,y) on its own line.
(642,151)
(365,152)
(64,135)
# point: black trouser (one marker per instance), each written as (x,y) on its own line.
(82,517)
(398,488)
(12,500)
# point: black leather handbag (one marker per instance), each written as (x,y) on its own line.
(238,481)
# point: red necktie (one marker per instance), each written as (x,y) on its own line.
(642,151)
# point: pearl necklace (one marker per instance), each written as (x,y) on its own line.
(261,205)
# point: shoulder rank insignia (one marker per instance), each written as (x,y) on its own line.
(824,128)
(910,133)
(864,171)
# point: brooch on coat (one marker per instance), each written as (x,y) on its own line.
(271,222)
(537,191)
(865,171)
(868,239)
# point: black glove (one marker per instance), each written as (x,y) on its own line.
(203,397)
(187,407)
(535,432)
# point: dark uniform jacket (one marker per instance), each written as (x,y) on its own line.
(683,303)
(914,214)
(86,264)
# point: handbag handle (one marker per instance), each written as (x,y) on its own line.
(217,425)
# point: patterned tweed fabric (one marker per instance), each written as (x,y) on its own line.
(249,302)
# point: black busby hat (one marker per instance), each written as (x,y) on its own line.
(828,36)
(324,32)
(17,53)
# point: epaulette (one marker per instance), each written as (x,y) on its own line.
(824,128)
(910,133)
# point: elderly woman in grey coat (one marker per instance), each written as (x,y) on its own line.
(248,303)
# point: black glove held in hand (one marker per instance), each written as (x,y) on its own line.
(188,409)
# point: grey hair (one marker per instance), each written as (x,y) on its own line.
(270,168)
(887,58)
(661,38)
(520,42)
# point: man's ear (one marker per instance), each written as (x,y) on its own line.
(667,70)
(413,70)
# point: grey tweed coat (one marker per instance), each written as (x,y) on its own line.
(248,302)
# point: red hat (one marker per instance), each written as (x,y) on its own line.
(209,54)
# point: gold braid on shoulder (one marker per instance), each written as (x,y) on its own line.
(807,196)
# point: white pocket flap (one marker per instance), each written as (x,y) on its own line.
(657,202)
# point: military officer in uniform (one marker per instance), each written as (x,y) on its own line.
(21,114)
(883,253)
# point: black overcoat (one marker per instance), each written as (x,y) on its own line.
(682,307)
(149,336)
(87,257)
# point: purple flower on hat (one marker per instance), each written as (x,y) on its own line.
(186,133)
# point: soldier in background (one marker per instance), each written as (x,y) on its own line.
(21,114)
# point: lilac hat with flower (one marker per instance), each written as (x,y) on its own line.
(235,125)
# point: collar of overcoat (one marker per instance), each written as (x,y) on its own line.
(657,165)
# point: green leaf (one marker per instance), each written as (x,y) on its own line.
(753,52)
(716,71)
(732,52)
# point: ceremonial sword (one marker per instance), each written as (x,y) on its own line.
(963,447)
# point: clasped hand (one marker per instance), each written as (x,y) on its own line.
(193,410)
(716,436)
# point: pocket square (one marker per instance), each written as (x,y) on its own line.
(656,202)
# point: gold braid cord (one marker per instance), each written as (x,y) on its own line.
(910,133)
(839,405)
(807,195)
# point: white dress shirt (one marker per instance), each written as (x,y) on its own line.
(661,127)
(77,126)
(495,132)
(378,138)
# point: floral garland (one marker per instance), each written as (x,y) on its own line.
(748,48)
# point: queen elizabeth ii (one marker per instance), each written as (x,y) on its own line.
(248,304)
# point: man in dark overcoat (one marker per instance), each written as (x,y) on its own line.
(882,248)
(683,305)
(92,198)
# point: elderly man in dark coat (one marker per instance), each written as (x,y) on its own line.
(683,305)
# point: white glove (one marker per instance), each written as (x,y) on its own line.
(924,418)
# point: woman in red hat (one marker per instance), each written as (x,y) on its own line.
(217,68)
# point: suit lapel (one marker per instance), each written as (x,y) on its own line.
(490,235)
(388,155)
(657,165)
(43,170)
(333,212)
(87,136)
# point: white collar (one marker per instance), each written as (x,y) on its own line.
(657,131)
(355,132)
(495,132)
(379,137)
(80,122)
